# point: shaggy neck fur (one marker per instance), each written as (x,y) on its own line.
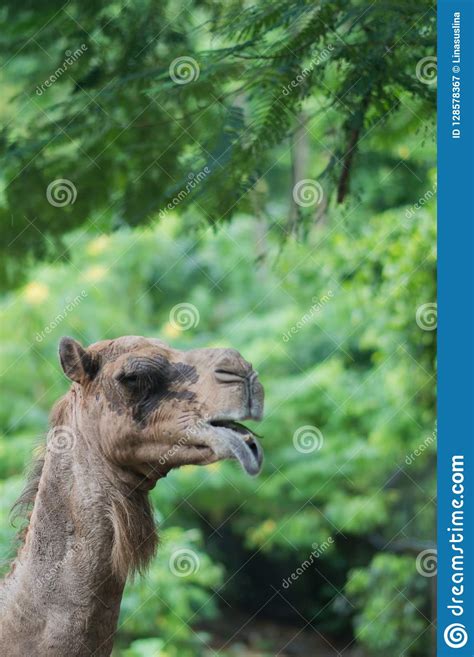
(91,525)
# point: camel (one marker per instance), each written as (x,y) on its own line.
(135,410)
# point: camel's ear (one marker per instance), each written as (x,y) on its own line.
(78,365)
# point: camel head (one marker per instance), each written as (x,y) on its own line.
(150,408)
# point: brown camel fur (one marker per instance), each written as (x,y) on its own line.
(136,409)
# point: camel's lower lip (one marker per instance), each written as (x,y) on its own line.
(236,441)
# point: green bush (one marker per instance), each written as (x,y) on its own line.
(356,366)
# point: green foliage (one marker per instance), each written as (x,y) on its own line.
(166,603)
(359,368)
(397,627)
(116,124)
(145,648)
(280,92)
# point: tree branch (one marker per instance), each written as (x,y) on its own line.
(354,136)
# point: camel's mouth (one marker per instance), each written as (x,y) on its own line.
(234,440)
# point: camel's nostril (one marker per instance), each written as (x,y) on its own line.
(228,376)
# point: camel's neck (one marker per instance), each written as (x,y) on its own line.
(63,596)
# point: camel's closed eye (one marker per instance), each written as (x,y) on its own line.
(139,381)
(129,379)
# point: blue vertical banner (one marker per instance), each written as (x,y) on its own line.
(455,598)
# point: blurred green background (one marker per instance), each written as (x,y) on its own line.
(321,554)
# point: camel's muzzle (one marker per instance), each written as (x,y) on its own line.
(241,443)
(244,401)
